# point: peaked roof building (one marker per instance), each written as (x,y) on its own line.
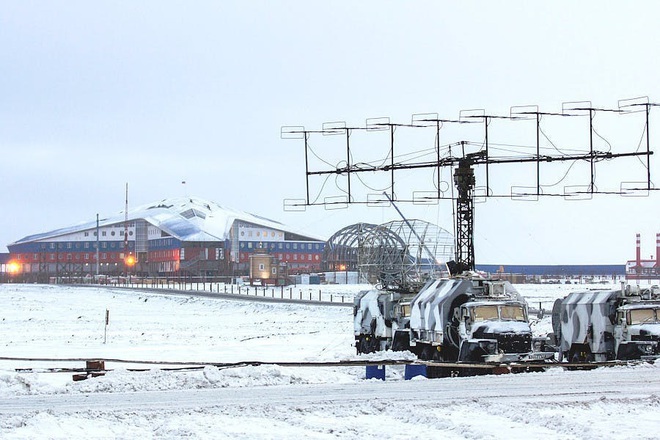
(186,235)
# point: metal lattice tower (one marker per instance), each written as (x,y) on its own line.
(464,180)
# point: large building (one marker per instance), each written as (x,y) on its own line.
(172,237)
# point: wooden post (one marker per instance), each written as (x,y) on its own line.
(107,321)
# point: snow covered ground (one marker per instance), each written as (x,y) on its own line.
(271,401)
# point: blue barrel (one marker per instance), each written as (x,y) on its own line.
(376,372)
(414,370)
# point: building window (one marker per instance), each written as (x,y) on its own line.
(261,266)
(86,256)
(112,233)
(86,234)
(103,233)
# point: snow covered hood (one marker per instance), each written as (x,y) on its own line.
(503,327)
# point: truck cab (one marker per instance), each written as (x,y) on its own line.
(637,330)
(494,331)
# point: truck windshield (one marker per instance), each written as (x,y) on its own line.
(497,312)
(640,316)
(484,313)
(512,313)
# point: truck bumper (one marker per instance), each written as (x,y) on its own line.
(536,356)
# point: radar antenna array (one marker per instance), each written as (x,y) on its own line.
(462,161)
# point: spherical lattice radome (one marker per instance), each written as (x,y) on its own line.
(377,253)
(429,245)
(395,254)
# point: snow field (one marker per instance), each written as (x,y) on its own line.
(272,401)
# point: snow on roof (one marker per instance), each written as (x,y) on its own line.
(185,218)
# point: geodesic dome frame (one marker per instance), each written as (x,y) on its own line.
(429,245)
(395,254)
(377,253)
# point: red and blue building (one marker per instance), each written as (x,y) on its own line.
(175,236)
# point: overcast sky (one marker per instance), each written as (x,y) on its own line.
(153,93)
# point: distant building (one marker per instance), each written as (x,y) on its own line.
(639,269)
(172,237)
(555,270)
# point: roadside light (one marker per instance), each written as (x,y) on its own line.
(130,261)
(13,267)
(342,267)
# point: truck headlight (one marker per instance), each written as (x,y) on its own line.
(489,347)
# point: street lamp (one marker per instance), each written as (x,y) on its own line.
(130,262)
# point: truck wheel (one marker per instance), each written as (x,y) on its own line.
(367,344)
(401,341)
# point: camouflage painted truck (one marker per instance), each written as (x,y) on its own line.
(460,319)
(603,325)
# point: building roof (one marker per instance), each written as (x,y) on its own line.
(185,218)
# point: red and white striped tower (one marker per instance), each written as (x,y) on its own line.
(657,250)
(638,258)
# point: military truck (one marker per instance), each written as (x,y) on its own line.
(603,325)
(466,318)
